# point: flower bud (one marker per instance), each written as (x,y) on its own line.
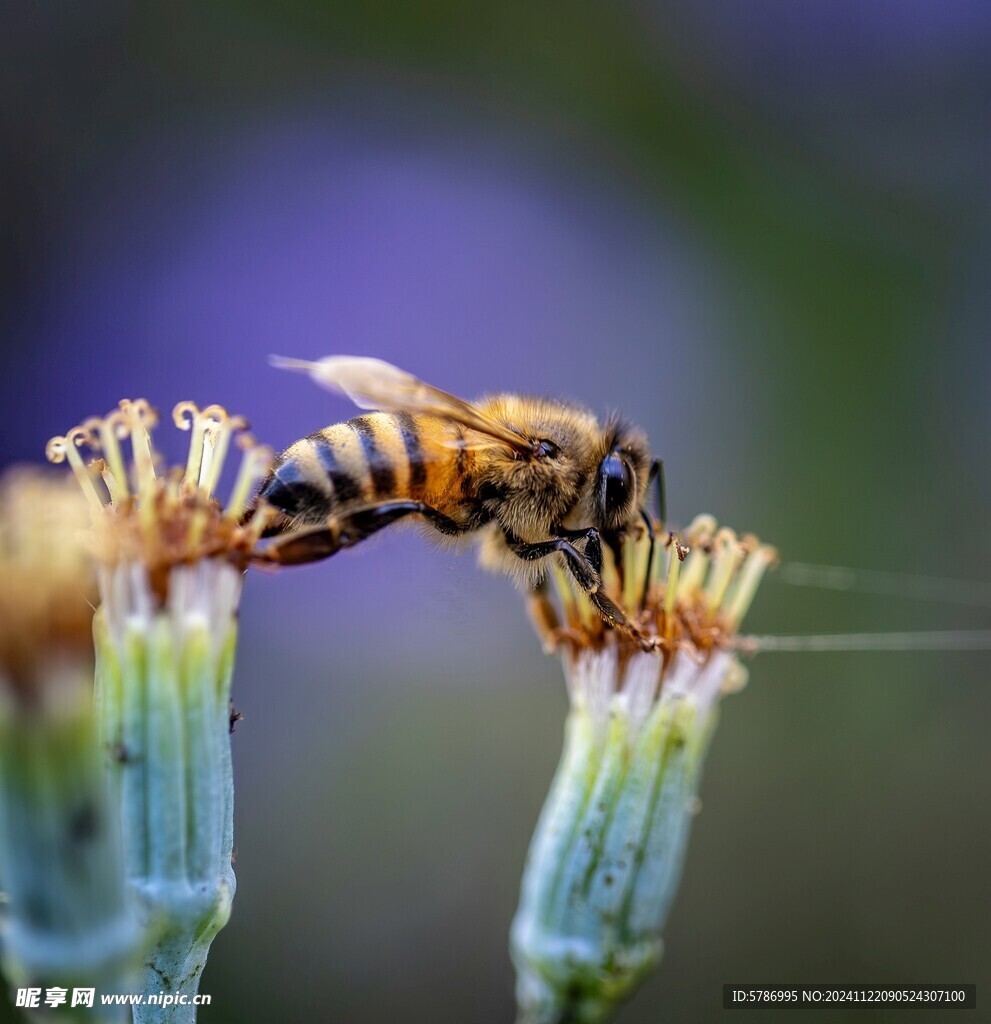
(606,858)
(170,562)
(69,919)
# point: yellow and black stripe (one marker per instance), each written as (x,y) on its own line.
(409,431)
(373,458)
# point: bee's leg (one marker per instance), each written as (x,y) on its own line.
(593,554)
(606,607)
(345,531)
(618,619)
(585,569)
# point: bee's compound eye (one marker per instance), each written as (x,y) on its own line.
(548,449)
(615,482)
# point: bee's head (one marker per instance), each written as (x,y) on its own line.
(622,476)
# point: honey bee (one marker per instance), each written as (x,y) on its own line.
(532,479)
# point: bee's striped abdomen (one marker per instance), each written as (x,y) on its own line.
(373,458)
(296,489)
(409,431)
(383,450)
(339,467)
(407,456)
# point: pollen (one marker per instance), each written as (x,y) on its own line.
(161,517)
(688,594)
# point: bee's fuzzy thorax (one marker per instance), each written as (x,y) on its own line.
(536,493)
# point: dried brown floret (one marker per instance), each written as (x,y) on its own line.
(164,518)
(695,599)
(48,585)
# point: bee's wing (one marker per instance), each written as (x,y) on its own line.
(376,384)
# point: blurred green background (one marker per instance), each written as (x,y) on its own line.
(761,230)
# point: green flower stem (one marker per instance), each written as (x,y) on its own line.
(70,921)
(164,683)
(606,857)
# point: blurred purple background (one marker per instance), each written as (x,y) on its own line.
(761,232)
